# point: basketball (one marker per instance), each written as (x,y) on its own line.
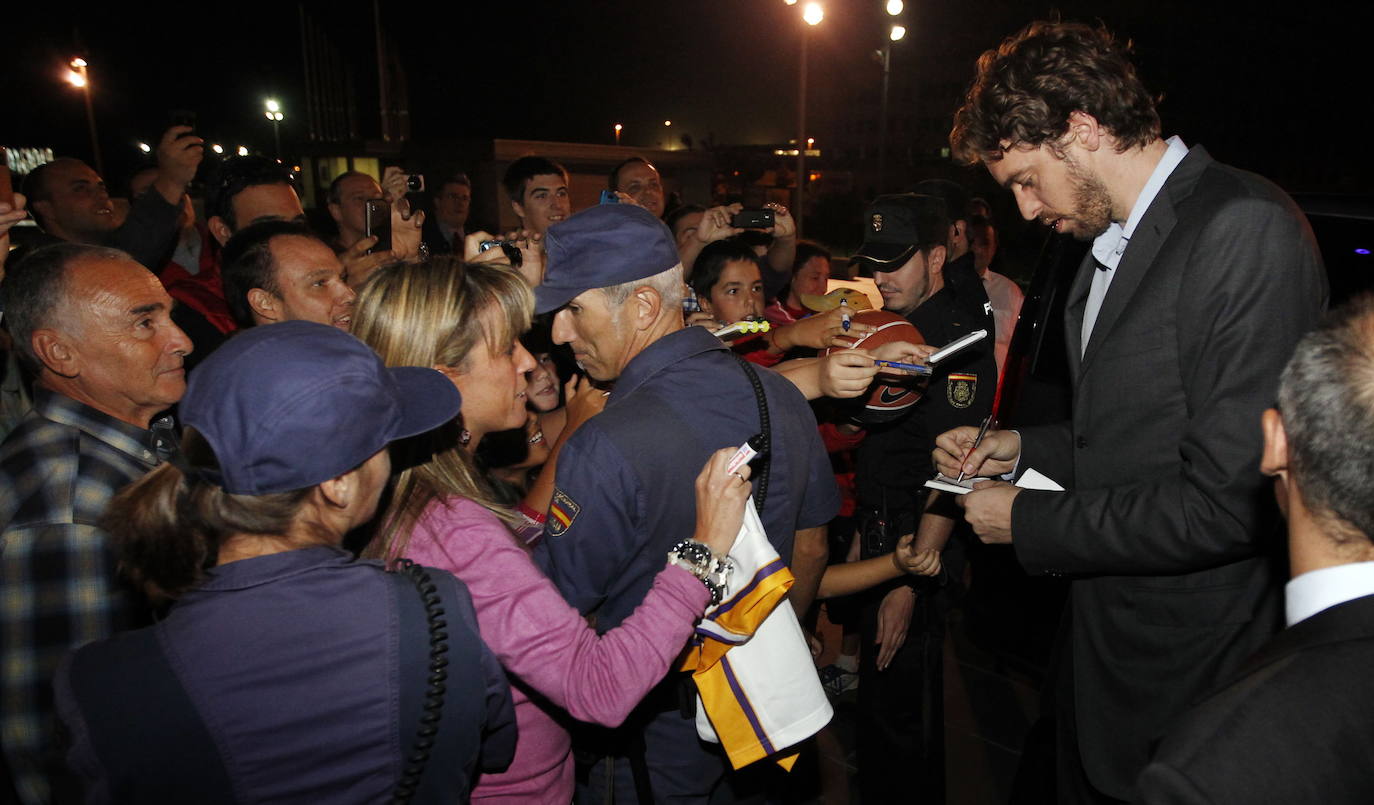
(890,395)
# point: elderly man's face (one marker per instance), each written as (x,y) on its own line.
(598,333)
(116,319)
(642,183)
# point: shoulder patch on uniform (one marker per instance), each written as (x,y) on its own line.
(960,389)
(562,511)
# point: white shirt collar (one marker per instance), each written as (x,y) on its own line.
(1318,590)
(1110,245)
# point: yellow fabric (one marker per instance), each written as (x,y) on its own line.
(742,616)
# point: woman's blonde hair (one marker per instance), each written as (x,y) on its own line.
(429,314)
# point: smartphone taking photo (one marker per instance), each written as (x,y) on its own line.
(379,224)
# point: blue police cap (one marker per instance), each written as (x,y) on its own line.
(287,406)
(601,247)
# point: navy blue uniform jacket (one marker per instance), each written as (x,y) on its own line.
(625,479)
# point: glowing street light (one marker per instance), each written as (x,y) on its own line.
(217,148)
(895,34)
(79,78)
(667,122)
(243,150)
(275,115)
(618,127)
(812,14)
(145,148)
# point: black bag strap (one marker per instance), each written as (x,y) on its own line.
(765,428)
(426,660)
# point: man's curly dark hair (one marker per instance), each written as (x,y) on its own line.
(1026,89)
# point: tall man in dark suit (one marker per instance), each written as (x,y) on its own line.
(1200,281)
(1295,726)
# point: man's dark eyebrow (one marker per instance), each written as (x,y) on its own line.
(145,309)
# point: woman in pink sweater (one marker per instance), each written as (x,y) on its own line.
(464,320)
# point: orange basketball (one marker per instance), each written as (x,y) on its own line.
(890,395)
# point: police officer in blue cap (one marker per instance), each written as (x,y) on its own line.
(624,492)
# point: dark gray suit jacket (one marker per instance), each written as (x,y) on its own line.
(1296,726)
(1168,527)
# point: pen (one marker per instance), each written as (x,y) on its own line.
(745,453)
(844,314)
(982,431)
(907,367)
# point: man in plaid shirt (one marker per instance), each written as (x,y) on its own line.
(95,328)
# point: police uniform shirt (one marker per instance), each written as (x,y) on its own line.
(894,459)
(625,485)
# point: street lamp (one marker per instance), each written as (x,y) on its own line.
(217,148)
(894,7)
(145,148)
(275,115)
(243,150)
(78,78)
(812,14)
(618,127)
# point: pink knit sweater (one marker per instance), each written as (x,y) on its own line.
(546,646)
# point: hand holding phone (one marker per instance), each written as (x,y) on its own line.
(752,219)
(379,224)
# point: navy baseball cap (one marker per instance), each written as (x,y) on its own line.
(600,247)
(896,226)
(290,405)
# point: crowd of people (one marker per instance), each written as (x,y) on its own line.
(292,514)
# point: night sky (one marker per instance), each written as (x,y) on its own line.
(1282,92)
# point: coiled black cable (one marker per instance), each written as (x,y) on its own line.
(434,692)
(765,427)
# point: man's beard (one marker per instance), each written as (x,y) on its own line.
(1092,204)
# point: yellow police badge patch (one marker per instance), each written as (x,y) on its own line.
(961,389)
(562,512)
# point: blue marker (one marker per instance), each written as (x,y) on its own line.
(906,367)
(844,316)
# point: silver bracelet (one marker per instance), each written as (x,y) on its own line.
(712,571)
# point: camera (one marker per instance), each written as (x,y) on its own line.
(511,250)
(415,183)
(752,219)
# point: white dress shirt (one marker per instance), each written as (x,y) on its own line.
(1110,245)
(1318,590)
